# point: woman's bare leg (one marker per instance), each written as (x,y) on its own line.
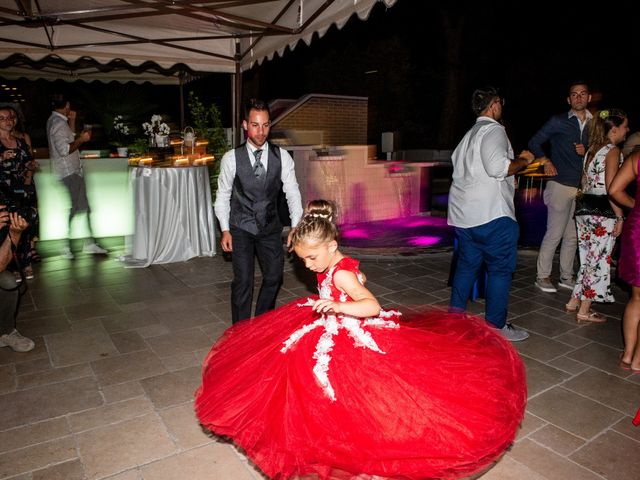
(630,326)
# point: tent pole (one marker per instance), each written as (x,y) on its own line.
(181,87)
(237,96)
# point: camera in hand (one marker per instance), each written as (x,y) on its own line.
(13,204)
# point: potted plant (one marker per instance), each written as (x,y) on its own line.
(120,133)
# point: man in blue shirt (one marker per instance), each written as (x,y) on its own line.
(566,137)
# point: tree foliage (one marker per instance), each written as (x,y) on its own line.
(208,126)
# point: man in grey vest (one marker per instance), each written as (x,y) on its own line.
(251,178)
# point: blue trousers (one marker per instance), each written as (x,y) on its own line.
(496,244)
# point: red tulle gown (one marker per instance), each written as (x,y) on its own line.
(439,396)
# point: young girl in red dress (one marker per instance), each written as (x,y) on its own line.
(334,387)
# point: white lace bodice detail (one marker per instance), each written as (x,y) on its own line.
(356,328)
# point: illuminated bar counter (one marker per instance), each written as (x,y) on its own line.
(110,198)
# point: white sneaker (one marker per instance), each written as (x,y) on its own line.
(67,253)
(17,342)
(93,248)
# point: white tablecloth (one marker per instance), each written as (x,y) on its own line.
(173,215)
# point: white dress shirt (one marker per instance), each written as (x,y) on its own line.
(481,191)
(227,175)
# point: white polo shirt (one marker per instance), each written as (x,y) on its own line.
(481,190)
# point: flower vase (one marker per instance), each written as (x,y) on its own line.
(162,141)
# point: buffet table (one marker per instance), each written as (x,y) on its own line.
(173,215)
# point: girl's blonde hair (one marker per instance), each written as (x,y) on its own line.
(316,226)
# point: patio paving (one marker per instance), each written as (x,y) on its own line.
(107,392)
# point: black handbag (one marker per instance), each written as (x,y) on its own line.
(591,204)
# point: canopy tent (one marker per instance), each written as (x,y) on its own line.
(83,38)
(162,41)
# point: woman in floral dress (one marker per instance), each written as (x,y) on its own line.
(597,233)
(16,169)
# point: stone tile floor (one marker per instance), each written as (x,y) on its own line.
(107,393)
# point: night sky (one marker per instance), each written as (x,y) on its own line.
(418,63)
(425,59)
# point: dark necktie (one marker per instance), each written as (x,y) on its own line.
(258,167)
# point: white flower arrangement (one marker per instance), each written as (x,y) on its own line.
(156,127)
(120,129)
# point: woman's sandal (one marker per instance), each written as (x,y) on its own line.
(592,317)
(571,308)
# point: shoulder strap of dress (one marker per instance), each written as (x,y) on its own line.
(348,263)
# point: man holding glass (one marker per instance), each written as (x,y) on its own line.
(65,158)
(482,211)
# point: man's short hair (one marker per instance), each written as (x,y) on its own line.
(256,104)
(577,81)
(58,100)
(482,98)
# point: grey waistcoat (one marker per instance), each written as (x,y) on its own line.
(254,201)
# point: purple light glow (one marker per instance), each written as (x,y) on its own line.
(412,222)
(424,241)
(354,233)
(410,232)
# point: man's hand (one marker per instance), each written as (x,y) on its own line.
(527,155)
(289,237)
(580,149)
(226,242)
(84,136)
(550,169)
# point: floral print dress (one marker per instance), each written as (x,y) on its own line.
(12,185)
(595,238)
